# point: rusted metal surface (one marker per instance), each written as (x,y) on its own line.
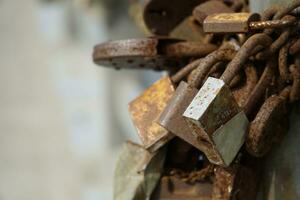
(176,189)
(295,90)
(269,124)
(207,63)
(149,53)
(145,111)
(283,62)
(281,23)
(172,119)
(260,89)
(163,16)
(208,8)
(295,47)
(287,9)
(185,71)
(242,93)
(229,22)
(235,182)
(243,54)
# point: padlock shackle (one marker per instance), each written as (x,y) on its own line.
(183,72)
(243,54)
(224,53)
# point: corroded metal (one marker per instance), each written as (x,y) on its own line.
(282,23)
(229,22)
(146,109)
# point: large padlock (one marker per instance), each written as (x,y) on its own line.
(157,53)
(146,109)
(214,116)
(209,8)
(171,118)
(137,172)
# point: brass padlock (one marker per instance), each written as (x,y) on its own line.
(172,118)
(214,116)
(137,172)
(229,22)
(146,109)
(242,23)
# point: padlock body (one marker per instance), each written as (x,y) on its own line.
(145,111)
(229,22)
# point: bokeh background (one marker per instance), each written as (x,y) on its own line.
(63,119)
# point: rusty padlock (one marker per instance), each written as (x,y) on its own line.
(147,107)
(209,8)
(176,189)
(172,118)
(214,116)
(241,23)
(235,182)
(270,123)
(157,53)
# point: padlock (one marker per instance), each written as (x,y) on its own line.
(137,172)
(157,53)
(161,17)
(229,22)
(209,8)
(235,182)
(146,109)
(214,116)
(270,123)
(176,189)
(171,118)
(241,23)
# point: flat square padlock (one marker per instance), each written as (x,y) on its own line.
(147,108)
(215,117)
(229,22)
(172,118)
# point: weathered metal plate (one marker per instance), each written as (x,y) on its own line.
(147,108)
(230,137)
(229,22)
(171,188)
(137,172)
(172,119)
(213,106)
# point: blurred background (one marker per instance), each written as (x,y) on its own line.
(63,119)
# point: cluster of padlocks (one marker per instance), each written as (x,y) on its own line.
(206,127)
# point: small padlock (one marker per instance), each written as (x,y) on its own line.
(214,116)
(171,118)
(229,22)
(241,23)
(209,8)
(146,109)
